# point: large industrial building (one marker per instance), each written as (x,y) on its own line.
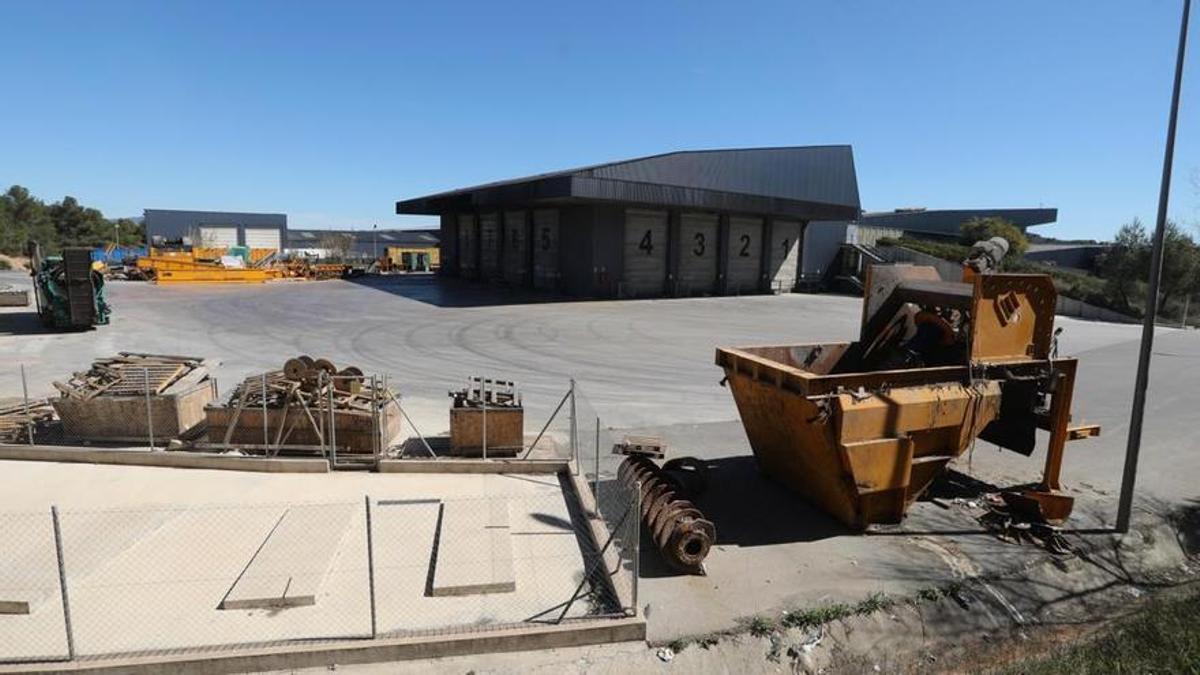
(215,228)
(682,223)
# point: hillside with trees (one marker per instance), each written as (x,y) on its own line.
(24,217)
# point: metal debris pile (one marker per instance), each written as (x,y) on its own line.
(18,417)
(134,374)
(1012,525)
(309,382)
(486,392)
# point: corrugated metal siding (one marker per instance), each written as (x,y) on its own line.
(645,253)
(516,250)
(489,245)
(785,255)
(216,237)
(745,254)
(697,253)
(260,237)
(545,249)
(467,246)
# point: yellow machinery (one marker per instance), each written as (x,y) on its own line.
(202,265)
(862,428)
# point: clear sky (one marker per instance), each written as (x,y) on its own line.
(332,111)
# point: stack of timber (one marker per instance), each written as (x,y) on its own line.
(135,396)
(18,417)
(310,406)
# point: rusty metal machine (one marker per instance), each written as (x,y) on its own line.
(678,529)
(862,428)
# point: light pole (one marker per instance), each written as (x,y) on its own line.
(1134,444)
(375,241)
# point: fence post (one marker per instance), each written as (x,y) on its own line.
(62,583)
(637,542)
(25,394)
(483,395)
(574,440)
(371,566)
(149,413)
(596,476)
(266,436)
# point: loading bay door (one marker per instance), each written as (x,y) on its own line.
(489,246)
(515,249)
(645,250)
(545,249)
(745,254)
(466,246)
(785,255)
(697,253)
(212,236)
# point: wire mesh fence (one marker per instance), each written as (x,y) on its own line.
(92,584)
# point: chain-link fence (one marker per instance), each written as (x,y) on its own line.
(81,584)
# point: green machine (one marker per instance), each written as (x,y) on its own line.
(69,292)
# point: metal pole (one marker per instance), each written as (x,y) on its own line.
(332,423)
(637,541)
(574,440)
(371,566)
(1136,415)
(1187,301)
(596,477)
(25,394)
(149,414)
(266,436)
(483,394)
(62,583)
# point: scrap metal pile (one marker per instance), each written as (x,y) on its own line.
(309,405)
(19,417)
(680,531)
(134,374)
(863,428)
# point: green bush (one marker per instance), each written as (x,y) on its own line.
(4,264)
(982,229)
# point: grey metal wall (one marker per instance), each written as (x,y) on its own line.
(822,239)
(172,225)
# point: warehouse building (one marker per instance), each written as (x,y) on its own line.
(215,228)
(403,247)
(682,223)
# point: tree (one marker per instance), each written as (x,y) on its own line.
(1180,266)
(1125,262)
(338,244)
(982,229)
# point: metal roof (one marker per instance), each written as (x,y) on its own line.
(811,182)
(948,221)
(414,238)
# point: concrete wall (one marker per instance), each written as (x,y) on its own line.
(1075,257)
(448,233)
(174,225)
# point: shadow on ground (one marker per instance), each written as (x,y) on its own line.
(23,323)
(450,292)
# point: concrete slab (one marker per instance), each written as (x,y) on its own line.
(473,554)
(290,566)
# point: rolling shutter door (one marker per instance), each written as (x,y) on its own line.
(745,254)
(489,246)
(697,253)
(262,237)
(217,237)
(545,249)
(515,249)
(645,253)
(466,246)
(785,255)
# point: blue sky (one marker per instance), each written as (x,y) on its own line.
(332,111)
